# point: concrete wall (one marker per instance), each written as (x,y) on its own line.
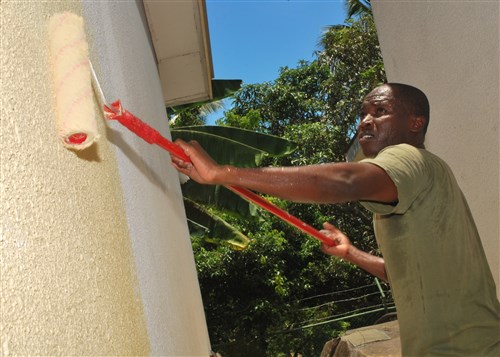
(95,252)
(450,50)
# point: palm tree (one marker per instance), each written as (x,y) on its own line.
(358,7)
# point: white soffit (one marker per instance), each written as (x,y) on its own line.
(179,31)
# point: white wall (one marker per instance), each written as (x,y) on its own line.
(67,271)
(95,257)
(450,50)
(122,52)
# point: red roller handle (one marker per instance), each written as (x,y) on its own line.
(152,136)
(284,215)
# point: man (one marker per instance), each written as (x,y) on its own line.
(444,291)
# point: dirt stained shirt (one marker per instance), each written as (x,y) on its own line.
(443,288)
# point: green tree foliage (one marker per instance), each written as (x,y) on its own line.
(294,98)
(233,146)
(345,48)
(282,295)
(358,7)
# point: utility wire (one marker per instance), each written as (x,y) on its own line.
(335,320)
(344,313)
(340,301)
(335,292)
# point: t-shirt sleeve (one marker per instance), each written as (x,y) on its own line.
(406,166)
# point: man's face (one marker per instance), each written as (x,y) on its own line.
(384,121)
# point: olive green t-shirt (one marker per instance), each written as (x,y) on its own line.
(443,288)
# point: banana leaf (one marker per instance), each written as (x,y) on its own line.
(272,145)
(233,146)
(213,228)
(223,150)
(219,197)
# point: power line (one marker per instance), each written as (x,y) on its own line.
(336,319)
(335,293)
(341,301)
(345,313)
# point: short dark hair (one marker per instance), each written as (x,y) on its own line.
(414,99)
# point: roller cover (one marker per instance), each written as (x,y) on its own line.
(74,105)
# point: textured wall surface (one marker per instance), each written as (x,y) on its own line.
(450,50)
(68,283)
(95,255)
(122,52)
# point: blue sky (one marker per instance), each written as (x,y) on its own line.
(252,39)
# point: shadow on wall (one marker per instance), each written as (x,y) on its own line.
(116,138)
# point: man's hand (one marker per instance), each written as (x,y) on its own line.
(342,243)
(345,250)
(202,168)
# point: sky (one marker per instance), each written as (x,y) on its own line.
(252,39)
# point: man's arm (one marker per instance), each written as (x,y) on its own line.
(328,183)
(345,250)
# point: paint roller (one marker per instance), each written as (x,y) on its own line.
(76,122)
(74,107)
